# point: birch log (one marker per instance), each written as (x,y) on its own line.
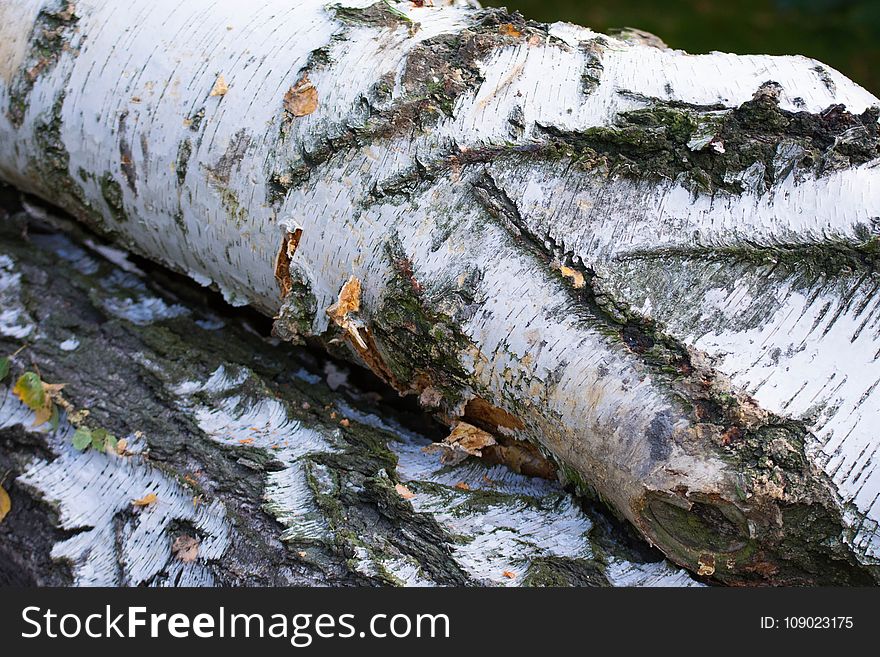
(270,464)
(658,267)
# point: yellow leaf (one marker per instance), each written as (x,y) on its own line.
(29,389)
(302,98)
(146,500)
(121,446)
(220,87)
(404,492)
(5,503)
(38,396)
(44,414)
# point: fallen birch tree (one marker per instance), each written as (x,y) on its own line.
(659,268)
(218,455)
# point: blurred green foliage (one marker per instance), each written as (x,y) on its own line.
(842,33)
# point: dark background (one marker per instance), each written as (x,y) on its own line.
(842,33)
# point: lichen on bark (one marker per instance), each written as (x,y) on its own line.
(52,30)
(748,148)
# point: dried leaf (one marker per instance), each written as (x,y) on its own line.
(462,486)
(44,414)
(509,574)
(121,446)
(220,87)
(185,548)
(470,438)
(53,390)
(146,500)
(509,30)
(302,98)
(404,492)
(5,503)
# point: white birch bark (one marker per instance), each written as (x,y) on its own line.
(269,463)
(659,267)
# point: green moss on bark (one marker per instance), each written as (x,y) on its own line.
(419,343)
(752,146)
(111,191)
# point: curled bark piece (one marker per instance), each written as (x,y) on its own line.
(715,216)
(464,440)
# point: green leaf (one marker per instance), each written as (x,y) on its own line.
(110,443)
(98,438)
(55,418)
(4,368)
(82,438)
(103,441)
(29,389)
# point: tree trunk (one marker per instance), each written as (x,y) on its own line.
(658,267)
(270,464)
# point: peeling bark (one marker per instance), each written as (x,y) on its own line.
(637,254)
